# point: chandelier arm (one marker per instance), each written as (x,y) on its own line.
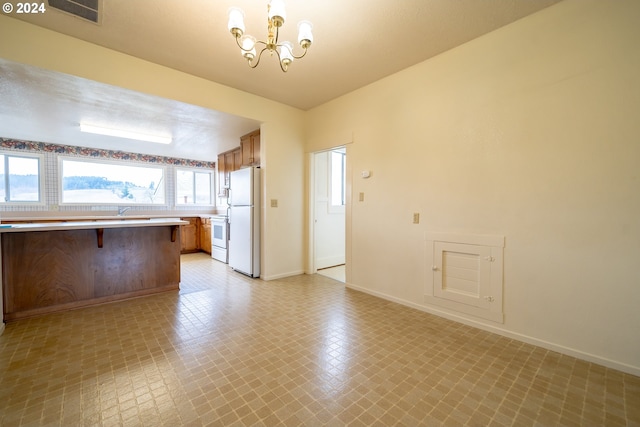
(296,57)
(301,56)
(258,61)
(283,67)
(247,50)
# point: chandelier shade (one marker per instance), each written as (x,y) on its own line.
(276,17)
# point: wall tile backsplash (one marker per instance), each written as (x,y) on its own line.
(51,152)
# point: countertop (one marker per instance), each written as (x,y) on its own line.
(121,222)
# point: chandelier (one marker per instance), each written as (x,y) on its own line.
(276,17)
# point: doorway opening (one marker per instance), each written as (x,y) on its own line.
(329,198)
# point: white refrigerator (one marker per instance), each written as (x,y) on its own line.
(244,221)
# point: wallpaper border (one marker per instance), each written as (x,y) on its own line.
(17,144)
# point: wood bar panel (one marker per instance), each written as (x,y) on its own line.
(46,271)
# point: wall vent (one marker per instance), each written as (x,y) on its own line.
(85,9)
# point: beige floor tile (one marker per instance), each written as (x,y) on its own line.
(304,350)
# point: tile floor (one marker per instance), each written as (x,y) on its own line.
(302,351)
(337,273)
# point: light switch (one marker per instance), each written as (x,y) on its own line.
(361,197)
(416,218)
(274,203)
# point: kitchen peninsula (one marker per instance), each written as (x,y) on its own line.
(57,266)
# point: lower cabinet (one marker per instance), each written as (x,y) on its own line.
(189,236)
(205,235)
(195,236)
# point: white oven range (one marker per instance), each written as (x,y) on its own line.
(219,230)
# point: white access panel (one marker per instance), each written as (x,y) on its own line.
(466,273)
(462,273)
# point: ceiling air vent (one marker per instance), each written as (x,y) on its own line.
(85,9)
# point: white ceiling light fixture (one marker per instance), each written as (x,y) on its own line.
(122,133)
(284,50)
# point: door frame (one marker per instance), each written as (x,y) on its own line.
(311,243)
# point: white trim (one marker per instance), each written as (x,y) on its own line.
(212,184)
(114,162)
(613,364)
(42,177)
(473,311)
(470,239)
(282,275)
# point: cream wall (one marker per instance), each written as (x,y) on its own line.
(282,149)
(530,132)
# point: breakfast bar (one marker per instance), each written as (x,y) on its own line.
(57,266)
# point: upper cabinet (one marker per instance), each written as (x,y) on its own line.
(250,147)
(248,154)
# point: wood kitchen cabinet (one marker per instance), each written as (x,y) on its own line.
(248,154)
(189,236)
(205,235)
(237,159)
(250,148)
(228,162)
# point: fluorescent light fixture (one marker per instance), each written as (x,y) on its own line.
(121,133)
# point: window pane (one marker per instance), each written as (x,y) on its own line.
(24,185)
(193,187)
(184,187)
(95,183)
(337,178)
(203,188)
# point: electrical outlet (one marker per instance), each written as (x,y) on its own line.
(361,197)
(274,203)
(416,218)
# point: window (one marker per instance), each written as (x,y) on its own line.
(337,177)
(20,177)
(193,187)
(97,182)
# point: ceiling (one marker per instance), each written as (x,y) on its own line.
(356,42)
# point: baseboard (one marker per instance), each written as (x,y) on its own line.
(623,367)
(282,275)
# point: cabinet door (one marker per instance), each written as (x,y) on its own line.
(237,159)
(189,235)
(205,235)
(250,147)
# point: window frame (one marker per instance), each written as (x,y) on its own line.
(41,179)
(116,162)
(212,192)
(343,193)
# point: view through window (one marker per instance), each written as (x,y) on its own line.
(193,187)
(93,182)
(20,178)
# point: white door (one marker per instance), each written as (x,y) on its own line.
(329,216)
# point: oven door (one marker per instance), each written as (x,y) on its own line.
(219,228)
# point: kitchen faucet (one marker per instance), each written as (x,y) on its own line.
(122,210)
